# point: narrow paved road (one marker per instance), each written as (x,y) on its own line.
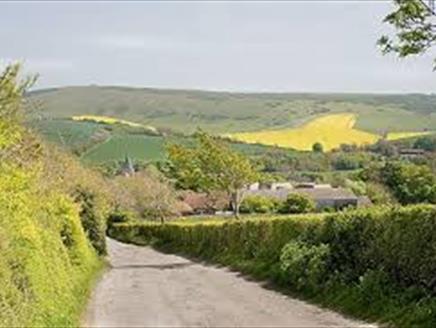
(145,288)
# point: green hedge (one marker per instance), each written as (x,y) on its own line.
(378,264)
(47,263)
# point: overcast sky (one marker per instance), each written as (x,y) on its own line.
(239,46)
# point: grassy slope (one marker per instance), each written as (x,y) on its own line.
(232,112)
(139,147)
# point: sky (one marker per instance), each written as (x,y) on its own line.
(293,46)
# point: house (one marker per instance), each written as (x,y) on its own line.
(270,185)
(337,198)
(324,197)
(281,185)
(411,153)
(311,185)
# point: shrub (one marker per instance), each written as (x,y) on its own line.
(306,266)
(379,194)
(297,203)
(259,204)
(358,187)
(93,217)
(120,216)
(317,147)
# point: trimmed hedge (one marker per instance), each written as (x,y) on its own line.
(378,264)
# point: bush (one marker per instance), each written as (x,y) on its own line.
(306,266)
(120,216)
(379,194)
(93,218)
(317,147)
(87,187)
(296,204)
(259,204)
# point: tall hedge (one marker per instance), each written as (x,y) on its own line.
(46,260)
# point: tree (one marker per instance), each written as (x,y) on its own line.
(414,21)
(410,183)
(12,91)
(297,204)
(317,147)
(146,194)
(426,143)
(210,165)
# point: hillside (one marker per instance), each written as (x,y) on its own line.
(224,112)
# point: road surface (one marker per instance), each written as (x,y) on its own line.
(145,288)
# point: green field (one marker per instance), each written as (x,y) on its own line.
(224,112)
(68,132)
(98,143)
(116,148)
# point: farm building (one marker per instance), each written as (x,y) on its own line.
(411,153)
(324,197)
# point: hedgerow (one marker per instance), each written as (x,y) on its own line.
(47,263)
(377,264)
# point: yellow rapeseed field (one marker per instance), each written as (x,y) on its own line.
(109,120)
(104,119)
(403,135)
(330,131)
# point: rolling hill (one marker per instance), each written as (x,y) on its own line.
(225,112)
(103,124)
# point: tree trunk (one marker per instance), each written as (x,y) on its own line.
(236,202)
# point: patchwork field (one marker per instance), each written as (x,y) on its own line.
(228,112)
(330,130)
(138,147)
(107,122)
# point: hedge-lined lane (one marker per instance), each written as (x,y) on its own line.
(377,264)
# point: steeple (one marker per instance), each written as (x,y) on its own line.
(127,168)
